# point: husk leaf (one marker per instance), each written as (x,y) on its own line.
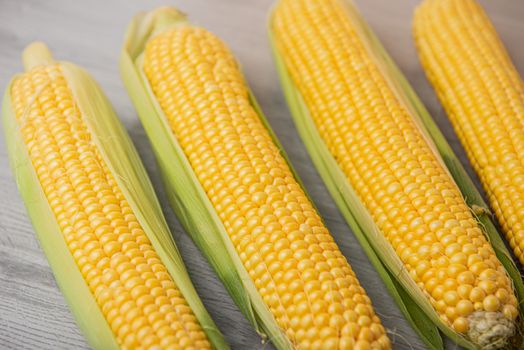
(186,195)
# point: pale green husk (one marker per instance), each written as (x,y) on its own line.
(121,157)
(406,293)
(187,197)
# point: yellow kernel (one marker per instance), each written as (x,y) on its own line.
(441,306)
(451,298)
(331,344)
(461,325)
(346,342)
(478,267)
(491,303)
(362,345)
(466,277)
(351,329)
(488,286)
(384,342)
(477,295)
(464,307)
(364,321)
(502,295)
(510,311)
(464,290)
(451,313)
(366,334)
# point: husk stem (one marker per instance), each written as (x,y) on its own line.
(122,159)
(187,197)
(400,285)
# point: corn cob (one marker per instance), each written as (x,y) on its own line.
(296,267)
(393,169)
(125,289)
(483,95)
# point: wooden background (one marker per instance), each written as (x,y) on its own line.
(33,313)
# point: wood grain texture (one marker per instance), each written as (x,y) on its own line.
(33,313)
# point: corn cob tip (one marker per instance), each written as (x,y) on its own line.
(35,54)
(490,330)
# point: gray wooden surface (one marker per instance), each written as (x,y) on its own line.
(33,313)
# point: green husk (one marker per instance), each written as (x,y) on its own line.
(406,293)
(186,195)
(121,157)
